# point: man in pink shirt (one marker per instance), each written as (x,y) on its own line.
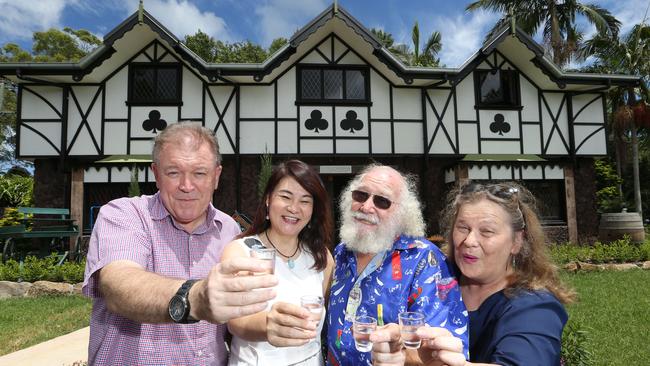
(160,292)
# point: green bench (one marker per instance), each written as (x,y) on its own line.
(43,222)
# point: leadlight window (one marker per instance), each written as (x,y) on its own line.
(333,85)
(497,89)
(154,84)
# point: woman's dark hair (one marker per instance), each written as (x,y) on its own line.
(317,235)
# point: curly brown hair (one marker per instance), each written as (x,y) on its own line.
(534,269)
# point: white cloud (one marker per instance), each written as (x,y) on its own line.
(629,12)
(463,35)
(183,18)
(19,19)
(281,18)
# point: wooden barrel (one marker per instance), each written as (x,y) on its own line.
(614,225)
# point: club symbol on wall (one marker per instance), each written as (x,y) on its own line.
(316,122)
(499,125)
(351,122)
(154,123)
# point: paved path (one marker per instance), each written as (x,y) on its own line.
(60,351)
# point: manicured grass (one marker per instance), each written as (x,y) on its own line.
(25,322)
(614,308)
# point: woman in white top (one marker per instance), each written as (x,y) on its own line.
(294,218)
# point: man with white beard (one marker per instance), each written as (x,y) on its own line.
(385,266)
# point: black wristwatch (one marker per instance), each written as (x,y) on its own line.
(179,305)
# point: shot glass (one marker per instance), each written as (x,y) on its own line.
(409,322)
(362,327)
(314,304)
(268,256)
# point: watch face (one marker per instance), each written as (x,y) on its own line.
(176,308)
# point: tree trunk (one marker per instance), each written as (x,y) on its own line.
(635,171)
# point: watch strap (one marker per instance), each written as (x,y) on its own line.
(184,292)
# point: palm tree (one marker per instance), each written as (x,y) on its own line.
(415,56)
(425,56)
(629,55)
(557,17)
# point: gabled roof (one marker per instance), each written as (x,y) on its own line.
(257,72)
(540,59)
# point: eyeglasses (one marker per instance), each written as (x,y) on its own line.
(502,191)
(380,202)
(499,190)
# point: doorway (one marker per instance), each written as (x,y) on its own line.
(335,184)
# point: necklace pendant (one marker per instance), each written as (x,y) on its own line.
(291,263)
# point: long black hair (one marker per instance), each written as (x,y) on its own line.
(317,235)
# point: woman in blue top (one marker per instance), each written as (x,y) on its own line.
(509,285)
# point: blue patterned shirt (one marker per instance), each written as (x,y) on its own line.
(412,276)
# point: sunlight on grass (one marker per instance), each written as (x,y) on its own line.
(29,321)
(614,308)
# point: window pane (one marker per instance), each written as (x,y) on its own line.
(310,84)
(491,92)
(143,84)
(167,84)
(509,87)
(355,85)
(333,84)
(550,198)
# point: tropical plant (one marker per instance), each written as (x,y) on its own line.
(16,191)
(627,55)
(416,56)
(266,168)
(557,17)
(574,345)
(609,197)
(134,185)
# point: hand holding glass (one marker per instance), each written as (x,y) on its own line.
(314,304)
(409,322)
(362,327)
(268,255)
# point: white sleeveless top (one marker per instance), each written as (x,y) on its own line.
(293,283)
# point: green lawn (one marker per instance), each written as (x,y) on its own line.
(614,308)
(25,322)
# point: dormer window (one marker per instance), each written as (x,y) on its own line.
(497,89)
(154,84)
(318,84)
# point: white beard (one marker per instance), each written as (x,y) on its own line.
(375,240)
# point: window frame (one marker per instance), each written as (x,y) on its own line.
(177,101)
(365,71)
(515,86)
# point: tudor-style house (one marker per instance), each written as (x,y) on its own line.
(333,97)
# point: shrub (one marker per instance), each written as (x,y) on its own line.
(11,217)
(618,251)
(10,271)
(567,252)
(35,269)
(644,251)
(16,191)
(574,346)
(44,269)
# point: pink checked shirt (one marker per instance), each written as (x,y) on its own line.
(141,230)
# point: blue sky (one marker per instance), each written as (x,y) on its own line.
(263,20)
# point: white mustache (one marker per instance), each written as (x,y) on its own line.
(362,216)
